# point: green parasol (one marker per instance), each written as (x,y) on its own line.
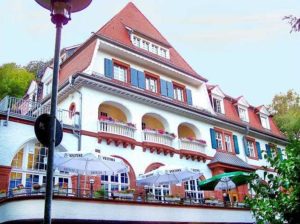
(225,181)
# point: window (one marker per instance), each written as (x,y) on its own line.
(137,41)
(192,191)
(28,167)
(48,88)
(36,158)
(228,146)
(243,114)
(150,46)
(251,148)
(159,192)
(163,52)
(120,72)
(178,93)
(217,105)
(154,49)
(18,159)
(264,121)
(146,45)
(224,140)
(117,182)
(219,140)
(151,84)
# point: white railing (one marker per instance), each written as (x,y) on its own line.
(153,136)
(29,109)
(193,145)
(117,128)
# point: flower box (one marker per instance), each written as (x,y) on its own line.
(172,199)
(122,195)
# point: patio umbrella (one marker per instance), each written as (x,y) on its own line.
(225,181)
(88,163)
(165,175)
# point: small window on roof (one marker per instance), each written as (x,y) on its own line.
(265,121)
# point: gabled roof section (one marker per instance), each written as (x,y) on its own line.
(230,159)
(216,90)
(116,30)
(263,110)
(242,101)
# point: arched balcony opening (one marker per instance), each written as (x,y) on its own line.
(29,169)
(189,138)
(114,121)
(155,130)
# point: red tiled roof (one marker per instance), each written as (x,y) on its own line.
(78,62)
(131,17)
(231,113)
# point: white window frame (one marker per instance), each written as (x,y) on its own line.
(192,191)
(251,148)
(178,93)
(118,74)
(243,113)
(151,84)
(264,121)
(228,145)
(221,105)
(150,46)
(159,192)
(219,140)
(109,183)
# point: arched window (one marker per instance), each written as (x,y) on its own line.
(29,167)
(72,110)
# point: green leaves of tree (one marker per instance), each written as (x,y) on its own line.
(14,80)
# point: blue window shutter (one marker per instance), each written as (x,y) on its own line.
(246,146)
(268,149)
(213,139)
(134,77)
(170,90)
(236,144)
(108,68)
(280,153)
(141,80)
(163,87)
(258,150)
(189,97)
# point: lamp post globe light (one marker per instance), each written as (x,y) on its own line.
(60,12)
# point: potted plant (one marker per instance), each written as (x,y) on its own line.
(19,189)
(100,193)
(36,188)
(2,193)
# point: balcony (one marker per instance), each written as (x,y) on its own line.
(159,137)
(192,144)
(118,132)
(30,110)
(86,209)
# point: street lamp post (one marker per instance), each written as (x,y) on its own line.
(60,15)
(92,181)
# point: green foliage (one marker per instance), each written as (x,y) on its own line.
(14,80)
(276,197)
(286,109)
(100,193)
(37,67)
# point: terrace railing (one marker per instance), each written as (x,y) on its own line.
(155,137)
(117,128)
(193,145)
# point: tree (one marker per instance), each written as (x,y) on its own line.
(14,80)
(294,22)
(286,110)
(276,197)
(37,67)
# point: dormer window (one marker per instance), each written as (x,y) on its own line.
(217,105)
(264,117)
(152,47)
(265,121)
(242,107)
(217,99)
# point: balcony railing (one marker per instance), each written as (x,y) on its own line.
(117,128)
(28,109)
(154,137)
(193,145)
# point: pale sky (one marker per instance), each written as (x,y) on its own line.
(244,46)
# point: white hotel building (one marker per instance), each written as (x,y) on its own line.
(126,92)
